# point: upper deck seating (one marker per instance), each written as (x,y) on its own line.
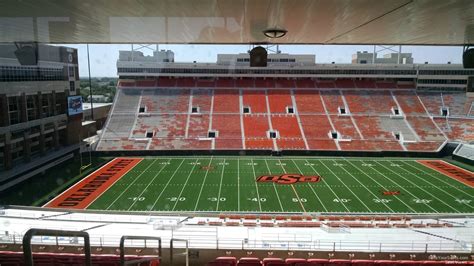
(243,116)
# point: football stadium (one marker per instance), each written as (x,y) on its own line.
(266,153)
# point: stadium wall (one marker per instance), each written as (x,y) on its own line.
(446,150)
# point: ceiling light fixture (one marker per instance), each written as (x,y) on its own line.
(275,33)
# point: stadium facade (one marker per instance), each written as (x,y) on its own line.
(36,128)
(292,104)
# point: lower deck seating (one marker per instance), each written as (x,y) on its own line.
(457,129)
(16,259)
(154,118)
(295,261)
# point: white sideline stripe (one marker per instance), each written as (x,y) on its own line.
(350,115)
(220,186)
(130,185)
(417,138)
(190,108)
(109,117)
(347,187)
(345,170)
(213,142)
(242,128)
(408,191)
(164,189)
(130,135)
(445,192)
(431,117)
(439,179)
(185,183)
(329,119)
(324,181)
(267,101)
(309,185)
(274,188)
(152,180)
(382,186)
(295,109)
(434,198)
(238,184)
(105,165)
(202,185)
(258,195)
(294,190)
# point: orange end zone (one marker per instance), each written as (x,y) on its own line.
(461,175)
(91,187)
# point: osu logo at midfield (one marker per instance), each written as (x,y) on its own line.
(288,178)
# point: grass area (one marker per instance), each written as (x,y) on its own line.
(356,185)
(42,187)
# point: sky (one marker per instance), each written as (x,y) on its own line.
(103,57)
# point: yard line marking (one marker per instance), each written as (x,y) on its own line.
(382,186)
(220,186)
(294,190)
(324,181)
(130,185)
(444,191)
(164,189)
(434,198)
(255,182)
(152,180)
(347,187)
(428,173)
(312,189)
(238,184)
(188,118)
(274,187)
(363,185)
(185,183)
(202,185)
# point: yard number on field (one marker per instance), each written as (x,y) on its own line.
(341,200)
(137,198)
(176,199)
(215,199)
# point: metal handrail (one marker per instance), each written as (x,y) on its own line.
(27,250)
(145,238)
(186,253)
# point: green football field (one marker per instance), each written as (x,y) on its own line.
(229,184)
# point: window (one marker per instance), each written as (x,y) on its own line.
(290,110)
(342,110)
(395,111)
(211,134)
(246,110)
(396,135)
(334,135)
(149,134)
(272,134)
(194,110)
(141,109)
(72,88)
(444,111)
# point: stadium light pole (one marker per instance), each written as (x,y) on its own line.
(90,83)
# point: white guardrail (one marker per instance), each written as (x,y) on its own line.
(199,242)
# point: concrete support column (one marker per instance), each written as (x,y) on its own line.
(53,94)
(22,107)
(39,106)
(41,140)
(4,119)
(56,136)
(7,152)
(26,146)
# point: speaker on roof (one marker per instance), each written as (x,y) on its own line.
(27,53)
(468,58)
(258,57)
